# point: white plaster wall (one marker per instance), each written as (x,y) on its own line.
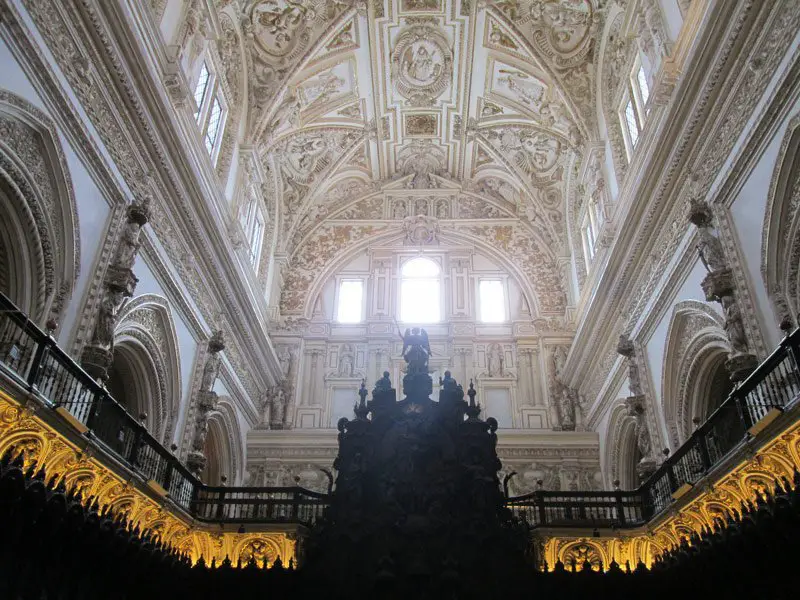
(748,211)
(602,429)
(671,15)
(655,346)
(93,209)
(187,345)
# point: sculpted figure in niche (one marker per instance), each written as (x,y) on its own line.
(643,439)
(710,250)
(559,360)
(106,320)
(266,409)
(128,245)
(399,210)
(421,207)
(284,358)
(734,326)
(210,372)
(346,362)
(567,410)
(442,210)
(494,361)
(278,405)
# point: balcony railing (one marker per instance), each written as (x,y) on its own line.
(32,358)
(773,385)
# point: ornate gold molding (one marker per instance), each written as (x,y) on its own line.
(44,447)
(744,483)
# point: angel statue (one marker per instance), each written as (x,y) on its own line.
(416,348)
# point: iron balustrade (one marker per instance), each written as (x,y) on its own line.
(259,505)
(32,358)
(579,509)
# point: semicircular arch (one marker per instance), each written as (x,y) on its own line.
(36,181)
(695,344)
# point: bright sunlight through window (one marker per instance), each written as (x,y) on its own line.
(350,295)
(419,292)
(492,303)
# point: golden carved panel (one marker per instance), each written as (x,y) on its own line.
(752,477)
(43,447)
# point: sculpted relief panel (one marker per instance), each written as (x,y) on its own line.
(421,64)
(325,245)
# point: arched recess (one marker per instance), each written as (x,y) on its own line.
(223,445)
(780,241)
(146,355)
(303,284)
(694,380)
(621,450)
(39,233)
(133,382)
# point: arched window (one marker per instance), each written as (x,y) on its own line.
(420,291)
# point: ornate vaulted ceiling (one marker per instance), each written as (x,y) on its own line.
(473,113)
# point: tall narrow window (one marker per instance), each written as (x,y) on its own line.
(210,111)
(633,112)
(492,301)
(419,292)
(588,235)
(351,294)
(214,124)
(200,90)
(630,120)
(251,218)
(642,87)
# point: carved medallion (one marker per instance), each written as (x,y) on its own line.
(422,65)
(421,230)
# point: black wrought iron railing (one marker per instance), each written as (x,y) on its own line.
(773,385)
(579,509)
(32,358)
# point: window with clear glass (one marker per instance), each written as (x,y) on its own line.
(634,106)
(588,235)
(351,294)
(200,89)
(420,291)
(214,125)
(252,220)
(210,112)
(633,125)
(642,87)
(492,301)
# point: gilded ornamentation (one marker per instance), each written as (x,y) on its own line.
(777,458)
(42,447)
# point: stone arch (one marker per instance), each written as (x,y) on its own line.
(39,232)
(303,284)
(696,349)
(147,377)
(621,450)
(780,241)
(224,445)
